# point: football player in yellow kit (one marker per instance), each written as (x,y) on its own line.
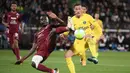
(82,21)
(96,34)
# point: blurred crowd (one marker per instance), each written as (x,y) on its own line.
(115,14)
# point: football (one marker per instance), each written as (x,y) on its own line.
(79,34)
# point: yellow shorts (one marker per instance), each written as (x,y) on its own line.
(78,47)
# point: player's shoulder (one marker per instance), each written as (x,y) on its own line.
(73,17)
(100,20)
(8,13)
(87,15)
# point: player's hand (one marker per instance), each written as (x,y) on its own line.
(22,31)
(62,36)
(18,62)
(52,15)
(6,24)
(92,27)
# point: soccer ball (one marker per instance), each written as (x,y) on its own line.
(79,34)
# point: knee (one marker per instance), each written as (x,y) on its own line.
(33,65)
(68,54)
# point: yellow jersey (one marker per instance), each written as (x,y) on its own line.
(98,30)
(100,23)
(82,23)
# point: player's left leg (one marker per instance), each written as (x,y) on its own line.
(13,39)
(36,63)
(83,55)
(92,47)
(83,59)
(69,61)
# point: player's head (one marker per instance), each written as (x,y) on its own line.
(78,9)
(13,6)
(96,15)
(84,8)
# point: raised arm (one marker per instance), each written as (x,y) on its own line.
(54,16)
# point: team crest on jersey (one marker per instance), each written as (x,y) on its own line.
(84,22)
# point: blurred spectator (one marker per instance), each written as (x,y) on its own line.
(112,42)
(120,40)
(127,42)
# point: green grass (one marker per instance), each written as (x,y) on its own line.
(109,62)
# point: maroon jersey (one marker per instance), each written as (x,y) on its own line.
(13,19)
(46,39)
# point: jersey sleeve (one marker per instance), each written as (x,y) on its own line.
(4,18)
(95,24)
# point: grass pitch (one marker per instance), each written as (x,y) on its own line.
(109,62)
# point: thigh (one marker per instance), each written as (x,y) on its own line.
(69,53)
(79,45)
(11,39)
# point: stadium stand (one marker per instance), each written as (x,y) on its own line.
(115,15)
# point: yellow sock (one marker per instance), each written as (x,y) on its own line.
(83,59)
(70,65)
(97,49)
(92,47)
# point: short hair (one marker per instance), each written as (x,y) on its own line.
(97,13)
(77,4)
(84,5)
(13,2)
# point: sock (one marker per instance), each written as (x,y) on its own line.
(16,52)
(70,65)
(83,56)
(97,47)
(92,47)
(44,68)
(13,51)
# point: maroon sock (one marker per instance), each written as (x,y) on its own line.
(44,68)
(16,52)
(13,51)
(61,29)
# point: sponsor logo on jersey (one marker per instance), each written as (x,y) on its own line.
(84,28)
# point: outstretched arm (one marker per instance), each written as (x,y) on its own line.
(32,50)
(54,16)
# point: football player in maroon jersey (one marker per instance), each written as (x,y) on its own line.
(44,43)
(12,20)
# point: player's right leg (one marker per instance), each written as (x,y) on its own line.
(69,61)
(36,63)
(83,59)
